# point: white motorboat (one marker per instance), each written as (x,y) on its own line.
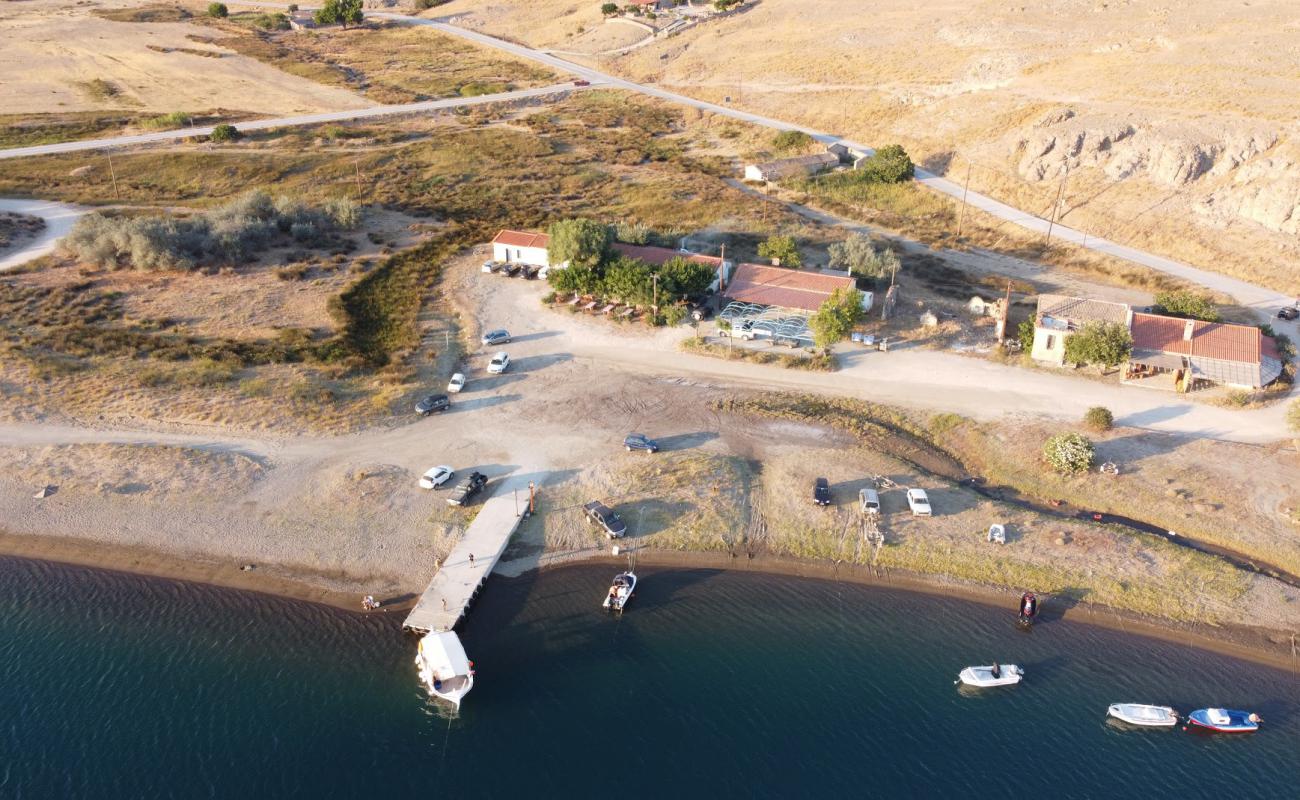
(620,591)
(994,675)
(444,668)
(1146,716)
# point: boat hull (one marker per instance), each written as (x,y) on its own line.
(982,677)
(1143,716)
(617,602)
(1231,721)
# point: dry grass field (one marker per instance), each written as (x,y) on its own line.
(1176,122)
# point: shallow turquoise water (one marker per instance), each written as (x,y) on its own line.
(712,685)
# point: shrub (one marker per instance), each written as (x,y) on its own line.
(609,9)
(292,8)
(224,132)
(218,10)
(791,141)
(837,316)
(632,232)
(782,250)
(272,22)
(344,12)
(1025,334)
(889,164)
(859,256)
(674,314)
(1186,304)
(1069,453)
(1099,418)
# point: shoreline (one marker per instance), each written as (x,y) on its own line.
(1272,648)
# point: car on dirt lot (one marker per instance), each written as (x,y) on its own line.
(499,336)
(605,518)
(499,363)
(639,441)
(436,477)
(510,270)
(822,492)
(918,502)
(467,488)
(432,403)
(490,266)
(1290,312)
(456,383)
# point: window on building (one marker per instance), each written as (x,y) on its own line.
(1051,342)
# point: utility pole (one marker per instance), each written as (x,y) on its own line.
(1056,204)
(113,174)
(357,163)
(655,302)
(961,219)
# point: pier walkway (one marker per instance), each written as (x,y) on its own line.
(456,582)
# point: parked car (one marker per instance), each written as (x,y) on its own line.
(499,336)
(869,500)
(469,487)
(490,266)
(499,363)
(639,441)
(436,477)
(510,270)
(456,383)
(745,330)
(432,403)
(1290,312)
(822,492)
(531,272)
(604,517)
(918,502)
(581,82)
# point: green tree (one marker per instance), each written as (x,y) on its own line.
(859,255)
(581,242)
(1187,304)
(344,12)
(782,250)
(224,133)
(791,141)
(889,164)
(1069,453)
(1104,343)
(576,278)
(1099,418)
(628,280)
(609,9)
(680,278)
(837,316)
(1025,334)
(218,10)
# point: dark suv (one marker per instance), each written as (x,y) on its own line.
(612,524)
(469,487)
(822,492)
(432,403)
(1290,312)
(639,441)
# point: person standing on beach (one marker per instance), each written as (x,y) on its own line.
(471,559)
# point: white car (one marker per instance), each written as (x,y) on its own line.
(436,477)
(918,502)
(499,363)
(490,266)
(457,383)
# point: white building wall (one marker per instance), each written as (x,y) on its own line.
(532,256)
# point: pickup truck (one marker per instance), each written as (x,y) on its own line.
(466,489)
(744,330)
(605,518)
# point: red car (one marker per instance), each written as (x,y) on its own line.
(581,82)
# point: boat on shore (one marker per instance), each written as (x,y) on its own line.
(444,668)
(993,675)
(1222,720)
(1144,715)
(620,591)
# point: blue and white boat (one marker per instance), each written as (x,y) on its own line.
(1223,720)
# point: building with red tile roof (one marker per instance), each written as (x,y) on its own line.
(805,290)
(1219,352)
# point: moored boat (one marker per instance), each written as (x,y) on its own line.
(620,591)
(1222,720)
(994,675)
(444,668)
(1144,715)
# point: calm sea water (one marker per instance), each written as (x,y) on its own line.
(712,685)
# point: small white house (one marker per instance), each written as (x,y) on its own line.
(521,247)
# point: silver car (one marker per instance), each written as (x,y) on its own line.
(499,336)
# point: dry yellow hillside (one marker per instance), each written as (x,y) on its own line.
(1177,121)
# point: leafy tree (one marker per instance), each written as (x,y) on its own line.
(791,141)
(1099,418)
(577,278)
(889,164)
(674,314)
(1187,304)
(581,242)
(680,278)
(224,133)
(837,316)
(609,9)
(1025,333)
(782,250)
(1105,343)
(344,12)
(628,280)
(218,10)
(292,8)
(858,255)
(1069,453)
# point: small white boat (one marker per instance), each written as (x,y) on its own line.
(997,534)
(620,591)
(994,675)
(1146,716)
(444,668)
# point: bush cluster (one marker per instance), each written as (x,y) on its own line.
(229,234)
(1099,418)
(1069,453)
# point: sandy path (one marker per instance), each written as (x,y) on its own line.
(59,219)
